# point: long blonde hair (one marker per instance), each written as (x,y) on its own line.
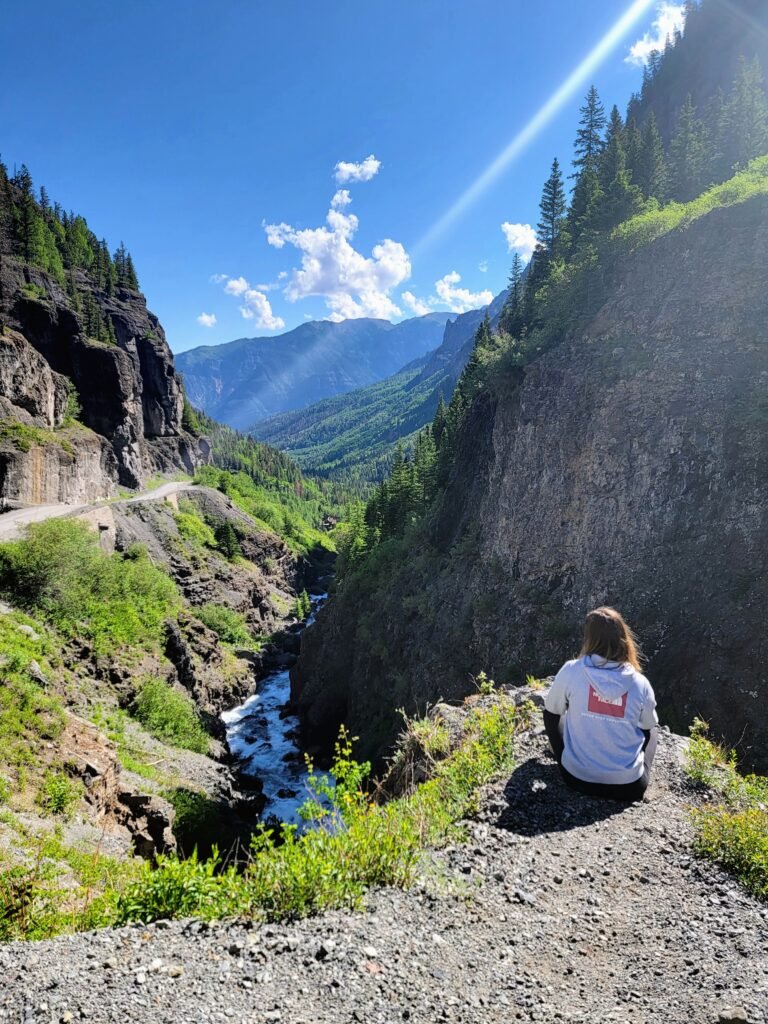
(607,635)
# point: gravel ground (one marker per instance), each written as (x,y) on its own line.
(559,908)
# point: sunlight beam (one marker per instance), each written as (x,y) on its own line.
(739,13)
(539,121)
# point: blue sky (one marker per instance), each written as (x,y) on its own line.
(228,142)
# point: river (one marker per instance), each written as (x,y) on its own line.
(264,741)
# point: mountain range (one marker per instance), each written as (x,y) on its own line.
(250,379)
(350,438)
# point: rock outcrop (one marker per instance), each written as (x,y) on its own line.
(629,467)
(126,397)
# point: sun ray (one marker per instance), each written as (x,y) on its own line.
(577,78)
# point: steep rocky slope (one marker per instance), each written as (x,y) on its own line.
(628,467)
(129,778)
(78,417)
(249,379)
(559,908)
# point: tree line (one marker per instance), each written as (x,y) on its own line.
(45,235)
(620,168)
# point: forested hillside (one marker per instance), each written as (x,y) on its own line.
(351,439)
(604,443)
(247,380)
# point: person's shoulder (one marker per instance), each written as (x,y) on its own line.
(641,681)
(569,666)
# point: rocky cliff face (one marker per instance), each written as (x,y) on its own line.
(129,396)
(629,467)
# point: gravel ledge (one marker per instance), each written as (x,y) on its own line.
(559,908)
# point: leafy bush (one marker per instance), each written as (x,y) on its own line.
(648,226)
(28,715)
(735,833)
(170,716)
(58,793)
(229,625)
(193,527)
(60,572)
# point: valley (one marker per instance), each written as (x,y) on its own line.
(281,617)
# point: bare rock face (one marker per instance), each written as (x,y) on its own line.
(629,467)
(129,395)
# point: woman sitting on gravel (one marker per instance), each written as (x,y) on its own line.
(600,713)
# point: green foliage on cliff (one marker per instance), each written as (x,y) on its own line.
(656,222)
(45,235)
(29,717)
(283,511)
(733,833)
(229,625)
(170,715)
(60,573)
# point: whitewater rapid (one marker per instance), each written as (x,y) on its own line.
(265,742)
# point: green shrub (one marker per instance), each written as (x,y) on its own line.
(193,528)
(58,793)
(229,625)
(648,226)
(29,716)
(170,716)
(60,572)
(735,833)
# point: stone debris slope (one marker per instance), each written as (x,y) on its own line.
(559,908)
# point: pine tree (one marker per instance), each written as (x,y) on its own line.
(120,259)
(511,319)
(651,168)
(131,280)
(25,213)
(621,199)
(718,163)
(552,213)
(633,145)
(687,155)
(439,421)
(587,200)
(589,137)
(227,540)
(6,212)
(747,114)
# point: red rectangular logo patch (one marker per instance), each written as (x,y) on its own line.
(600,706)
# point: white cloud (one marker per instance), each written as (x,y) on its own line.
(207,319)
(459,300)
(255,305)
(482,266)
(236,286)
(670,18)
(341,199)
(417,306)
(520,238)
(353,285)
(363,171)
